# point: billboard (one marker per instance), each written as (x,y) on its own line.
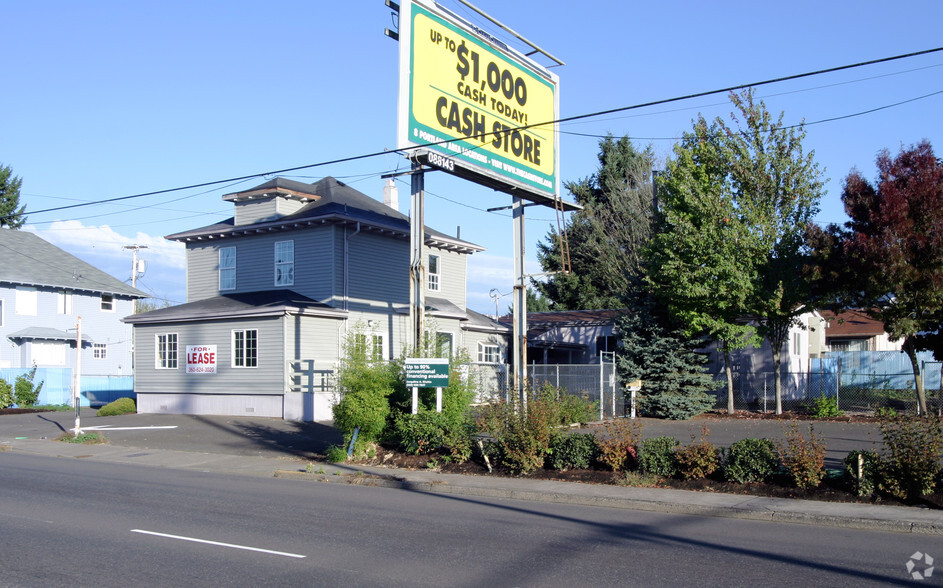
(479,103)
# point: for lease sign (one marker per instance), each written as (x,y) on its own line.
(201,359)
(482,97)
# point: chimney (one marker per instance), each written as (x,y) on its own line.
(391,194)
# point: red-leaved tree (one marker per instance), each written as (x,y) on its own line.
(889,257)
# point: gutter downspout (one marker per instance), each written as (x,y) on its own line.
(346,264)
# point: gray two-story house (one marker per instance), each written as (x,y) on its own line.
(273,292)
(43,292)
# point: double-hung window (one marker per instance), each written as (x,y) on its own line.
(165,351)
(434,281)
(284,263)
(227,268)
(489,353)
(107,303)
(245,348)
(369,346)
(99,351)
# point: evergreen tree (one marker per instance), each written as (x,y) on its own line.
(606,237)
(11,213)
(653,349)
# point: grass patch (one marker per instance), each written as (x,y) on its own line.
(91,438)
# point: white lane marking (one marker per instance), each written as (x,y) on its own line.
(247,548)
(113,428)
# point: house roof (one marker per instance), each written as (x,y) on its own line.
(851,323)
(328,200)
(483,322)
(26,259)
(240,305)
(538,323)
(45,334)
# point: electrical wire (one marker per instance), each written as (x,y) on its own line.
(530,126)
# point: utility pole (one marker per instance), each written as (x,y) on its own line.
(77,378)
(134,271)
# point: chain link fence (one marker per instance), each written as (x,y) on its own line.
(859,382)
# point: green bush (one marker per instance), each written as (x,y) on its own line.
(523,436)
(677,407)
(866,483)
(6,394)
(25,392)
(698,459)
(618,446)
(750,460)
(336,454)
(911,463)
(573,451)
(120,406)
(657,456)
(824,407)
(803,458)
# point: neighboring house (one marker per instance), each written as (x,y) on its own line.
(43,291)
(570,336)
(273,292)
(854,330)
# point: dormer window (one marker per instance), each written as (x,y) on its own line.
(434,273)
(285,263)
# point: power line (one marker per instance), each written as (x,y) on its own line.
(557,121)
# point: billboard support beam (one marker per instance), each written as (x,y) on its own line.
(417,298)
(520,305)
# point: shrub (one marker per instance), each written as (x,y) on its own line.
(824,407)
(618,445)
(336,454)
(25,392)
(750,460)
(6,394)
(657,456)
(865,481)
(120,406)
(912,461)
(523,436)
(573,451)
(698,459)
(803,458)
(676,407)
(429,431)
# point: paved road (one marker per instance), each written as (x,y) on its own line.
(86,523)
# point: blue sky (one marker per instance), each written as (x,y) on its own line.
(108,99)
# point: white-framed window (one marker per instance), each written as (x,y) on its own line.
(444,344)
(227,268)
(369,345)
(26,300)
(64,302)
(245,348)
(434,281)
(796,343)
(165,351)
(1,312)
(99,351)
(108,303)
(284,263)
(489,353)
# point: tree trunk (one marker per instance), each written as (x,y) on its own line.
(729,372)
(911,350)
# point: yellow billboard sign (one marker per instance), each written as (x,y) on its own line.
(478,103)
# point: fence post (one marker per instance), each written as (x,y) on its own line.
(602,398)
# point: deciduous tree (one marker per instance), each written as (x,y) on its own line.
(889,257)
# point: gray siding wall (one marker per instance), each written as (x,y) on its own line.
(258,210)
(378,270)
(267,378)
(255,264)
(99,326)
(473,338)
(452,284)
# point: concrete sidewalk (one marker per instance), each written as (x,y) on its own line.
(283,449)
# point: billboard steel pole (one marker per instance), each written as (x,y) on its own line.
(417,301)
(520,304)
